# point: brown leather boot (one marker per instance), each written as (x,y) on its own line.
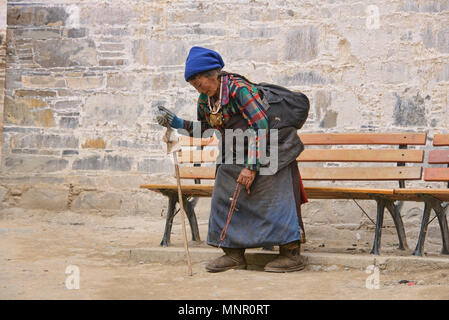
(289,259)
(233,259)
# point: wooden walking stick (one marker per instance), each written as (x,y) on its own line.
(173,147)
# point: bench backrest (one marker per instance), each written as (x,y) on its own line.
(438,157)
(394,159)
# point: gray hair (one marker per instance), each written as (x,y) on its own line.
(208,74)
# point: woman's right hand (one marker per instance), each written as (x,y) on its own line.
(167,118)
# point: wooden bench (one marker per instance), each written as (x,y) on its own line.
(433,198)
(334,149)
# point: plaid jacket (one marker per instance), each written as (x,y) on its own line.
(238,96)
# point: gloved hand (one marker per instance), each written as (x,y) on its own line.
(167,118)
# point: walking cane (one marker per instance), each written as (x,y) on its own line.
(173,147)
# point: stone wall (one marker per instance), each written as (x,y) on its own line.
(83,79)
(3,14)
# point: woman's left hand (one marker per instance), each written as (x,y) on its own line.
(246,178)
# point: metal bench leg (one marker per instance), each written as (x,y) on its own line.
(379,223)
(441,215)
(190,211)
(419,250)
(395,212)
(172,199)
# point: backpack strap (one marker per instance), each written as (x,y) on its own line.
(224,73)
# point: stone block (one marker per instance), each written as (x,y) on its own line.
(97,201)
(430,6)
(155,166)
(35,93)
(67,105)
(395,72)
(36,16)
(302,44)
(303,78)
(44,198)
(94,162)
(47,141)
(37,34)
(70,152)
(122,81)
(111,46)
(69,122)
(94,144)
(114,32)
(198,15)
(428,38)
(123,110)
(112,62)
(108,162)
(76,33)
(238,51)
(65,53)
(409,110)
(444,74)
(34,164)
(15,129)
(38,81)
(107,15)
(196,30)
(28,112)
(84,83)
(157,52)
(3,195)
(443,40)
(265,32)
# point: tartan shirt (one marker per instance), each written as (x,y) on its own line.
(238,96)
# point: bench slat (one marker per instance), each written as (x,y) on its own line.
(363,138)
(416,194)
(188,190)
(439,156)
(316,192)
(436,174)
(323,155)
(441,140)
(345,193)
(312,192)
(348,173)
(362,174)
(335,139)
(318,155)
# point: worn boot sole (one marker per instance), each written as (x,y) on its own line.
(237,267)
(282,270)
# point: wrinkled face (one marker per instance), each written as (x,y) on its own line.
(205,85)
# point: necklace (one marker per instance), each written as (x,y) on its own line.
(216,116)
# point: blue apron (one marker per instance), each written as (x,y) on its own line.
(269,215)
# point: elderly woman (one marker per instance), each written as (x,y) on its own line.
(268,208)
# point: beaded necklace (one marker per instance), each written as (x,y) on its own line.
(216,114)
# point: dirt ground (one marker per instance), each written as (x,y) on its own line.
(37,247)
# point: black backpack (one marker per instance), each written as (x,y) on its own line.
(284,108)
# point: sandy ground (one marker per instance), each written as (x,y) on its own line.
(37,247)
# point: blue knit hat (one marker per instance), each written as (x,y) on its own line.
(200,60)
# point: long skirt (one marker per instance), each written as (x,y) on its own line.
(266,217)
